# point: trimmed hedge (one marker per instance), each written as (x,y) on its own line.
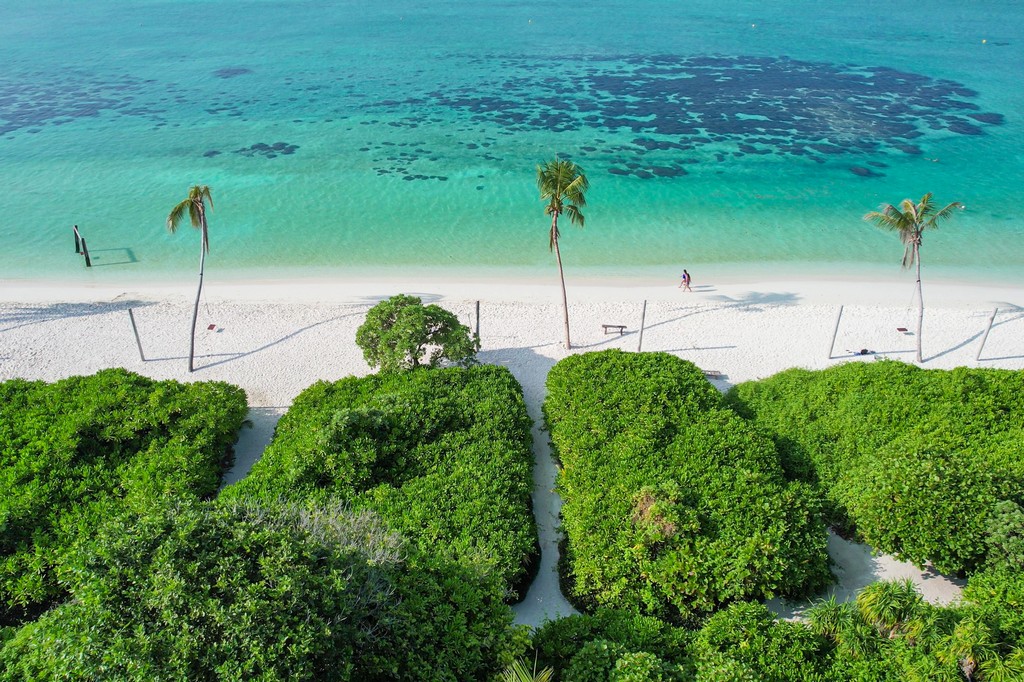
(201,591)
(78,450)
(443,455)
(673,505)
(915,461)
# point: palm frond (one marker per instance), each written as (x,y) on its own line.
(204,193)
(177,214)
(889,218)
(945,213)
(575,216)
(913,211)
(908,256)
(575,190)
(518,672)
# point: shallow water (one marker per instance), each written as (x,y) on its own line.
(351,136)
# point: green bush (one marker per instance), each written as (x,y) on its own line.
(646,667)
(559,641)
(444,456)
(239,591)
(673,504)
(80,449)
(746,637)
(915,461)
(400,332)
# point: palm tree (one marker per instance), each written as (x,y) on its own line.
(910,220)
(195,207)
(563,185)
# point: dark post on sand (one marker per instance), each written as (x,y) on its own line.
(478,319)
(643,316)
(85,252)
(135,330)
(78,240)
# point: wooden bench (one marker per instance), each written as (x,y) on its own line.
(609,328)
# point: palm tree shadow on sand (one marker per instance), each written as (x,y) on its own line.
(276,342)
(231,357)
(24,316)
(1016,313)
(757,300)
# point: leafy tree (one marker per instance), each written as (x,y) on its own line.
(563,185)
(401,334)
(194,206)
(910,220)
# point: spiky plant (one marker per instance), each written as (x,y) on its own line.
(910,220)
(890,606)
(970,644)
(518,672)
(194,206)
(563,185)
(830,617)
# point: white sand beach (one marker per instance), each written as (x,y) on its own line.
(276,338)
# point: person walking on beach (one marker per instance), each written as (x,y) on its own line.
(685,283)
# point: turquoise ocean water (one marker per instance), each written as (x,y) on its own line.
(356,137)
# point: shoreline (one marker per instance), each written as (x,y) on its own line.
(892,292)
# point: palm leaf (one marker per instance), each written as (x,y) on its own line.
(518,672)
(177,214)
(573,211)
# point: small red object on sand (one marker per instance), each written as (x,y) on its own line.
(212,327)
(901,329)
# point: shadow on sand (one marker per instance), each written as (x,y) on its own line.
(24,316)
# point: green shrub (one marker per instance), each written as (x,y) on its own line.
(998,595)
(559,641)
(916,461)
(673,505)
(400,332)
(444,456)
(642,666)
(747,640)
(240,592)
(78,450)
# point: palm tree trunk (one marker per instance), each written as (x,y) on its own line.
(199,293)
(920,301)
(561,277)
